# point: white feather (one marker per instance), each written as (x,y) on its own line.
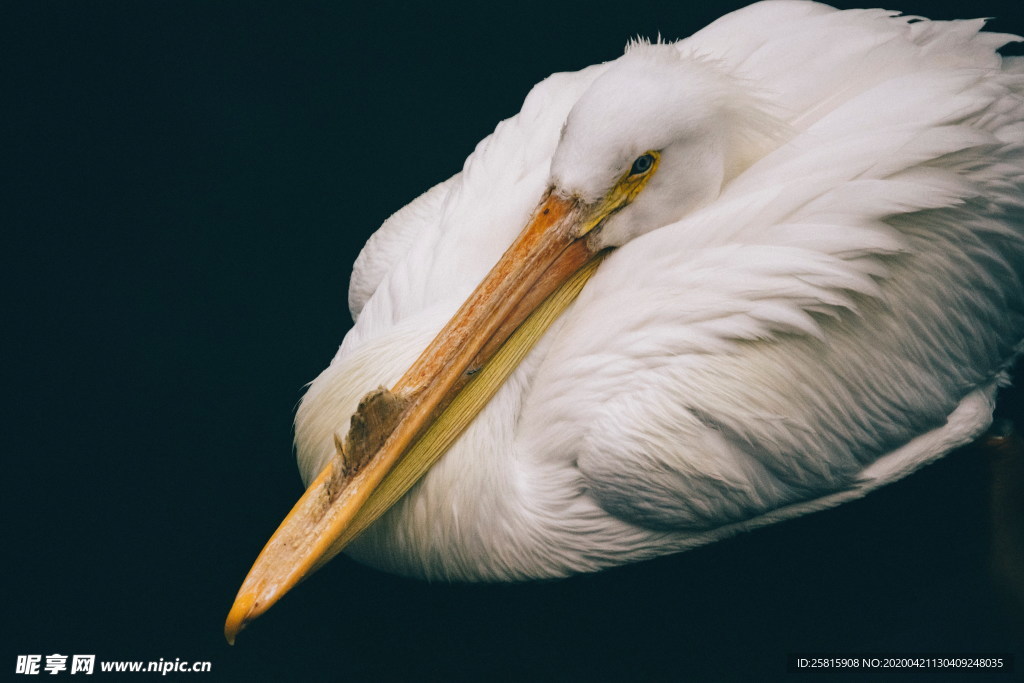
(817,293)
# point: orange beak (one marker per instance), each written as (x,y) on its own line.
(555,245)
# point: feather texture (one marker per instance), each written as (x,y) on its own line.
(831,309)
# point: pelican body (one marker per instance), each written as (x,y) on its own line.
(804,228)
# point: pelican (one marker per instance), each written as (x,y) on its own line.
(704,287)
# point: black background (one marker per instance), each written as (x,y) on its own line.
(189,184)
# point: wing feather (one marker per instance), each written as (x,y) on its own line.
(843,296)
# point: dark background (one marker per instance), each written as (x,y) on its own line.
(188,185)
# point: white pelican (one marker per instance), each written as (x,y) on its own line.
(813,250)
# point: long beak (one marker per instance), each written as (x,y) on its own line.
(551,251)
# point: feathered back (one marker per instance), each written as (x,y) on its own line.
(842,296)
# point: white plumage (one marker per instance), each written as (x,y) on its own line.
(818,292)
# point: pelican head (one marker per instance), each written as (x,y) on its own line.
(700,127)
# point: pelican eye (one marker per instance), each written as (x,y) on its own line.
(642,164)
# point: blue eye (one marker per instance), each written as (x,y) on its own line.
(642,164)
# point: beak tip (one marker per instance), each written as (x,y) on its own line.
(239,616)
